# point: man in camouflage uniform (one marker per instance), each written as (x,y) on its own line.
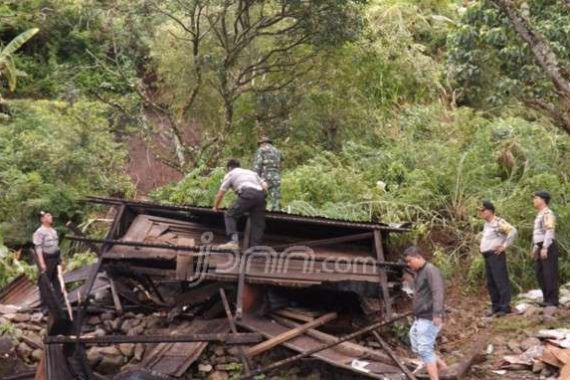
(267,164)
(545,250)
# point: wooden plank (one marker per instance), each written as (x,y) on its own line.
(382,274)
(305,344)
(347,348)
(115,295)
(328,241)
(288,335)
(289,313)
(174,359)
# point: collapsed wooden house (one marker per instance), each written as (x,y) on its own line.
(179,243)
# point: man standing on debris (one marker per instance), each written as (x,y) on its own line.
(267,164)
(498,235)
(428,310)
(48,258)
(545,250)
(250,191)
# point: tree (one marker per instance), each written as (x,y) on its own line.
(7,67)
(500,54)
(209,56)
(547,60)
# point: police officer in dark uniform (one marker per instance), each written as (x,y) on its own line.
(545,250)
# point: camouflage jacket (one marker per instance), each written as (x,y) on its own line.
(267,162)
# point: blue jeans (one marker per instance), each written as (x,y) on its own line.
(422,337)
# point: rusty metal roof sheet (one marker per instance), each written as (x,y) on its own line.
(270,215)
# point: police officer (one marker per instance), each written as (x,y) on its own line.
(545,250)
(267,164)
(250,191)
(48,256)
(498,235)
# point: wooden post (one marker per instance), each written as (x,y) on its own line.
(243,357)
(383,289)
(242,268)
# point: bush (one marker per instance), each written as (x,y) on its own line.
(51,155)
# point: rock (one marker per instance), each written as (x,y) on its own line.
(205,368)
(153,322)
(127,349)
(23,350)
(36,317)
(127,325)
(109,351)
(218,375)
(221,359)
(219,350)
(8,309)
(107,316)
(530,342)
(108,326)
(514,347)
(139,330)
(33,340)
(17,317)
(100,332)
(537,366)
(116,324)
(37,355)
(139,351)
(94,320)
(532,310)
(6,345)
(93,357)
(110,364)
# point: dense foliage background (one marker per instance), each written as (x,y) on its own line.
(398,109)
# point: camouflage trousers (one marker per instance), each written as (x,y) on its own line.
(274,195)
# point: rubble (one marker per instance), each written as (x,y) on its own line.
(155,303)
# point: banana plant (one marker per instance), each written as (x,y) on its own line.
(7,67)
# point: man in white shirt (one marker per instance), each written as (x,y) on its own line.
(498,235)
(48,257)
(250,191)
(545,250)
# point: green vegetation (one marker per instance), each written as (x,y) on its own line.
(402,110)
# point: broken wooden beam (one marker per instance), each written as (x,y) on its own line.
(243,357)
(239,338)
(347,347)
(392,355)
(282,338)
(384,292)
(325,346)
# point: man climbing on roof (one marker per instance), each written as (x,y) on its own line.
(267,164)
(250,190)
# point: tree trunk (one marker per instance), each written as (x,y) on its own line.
(546,59)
